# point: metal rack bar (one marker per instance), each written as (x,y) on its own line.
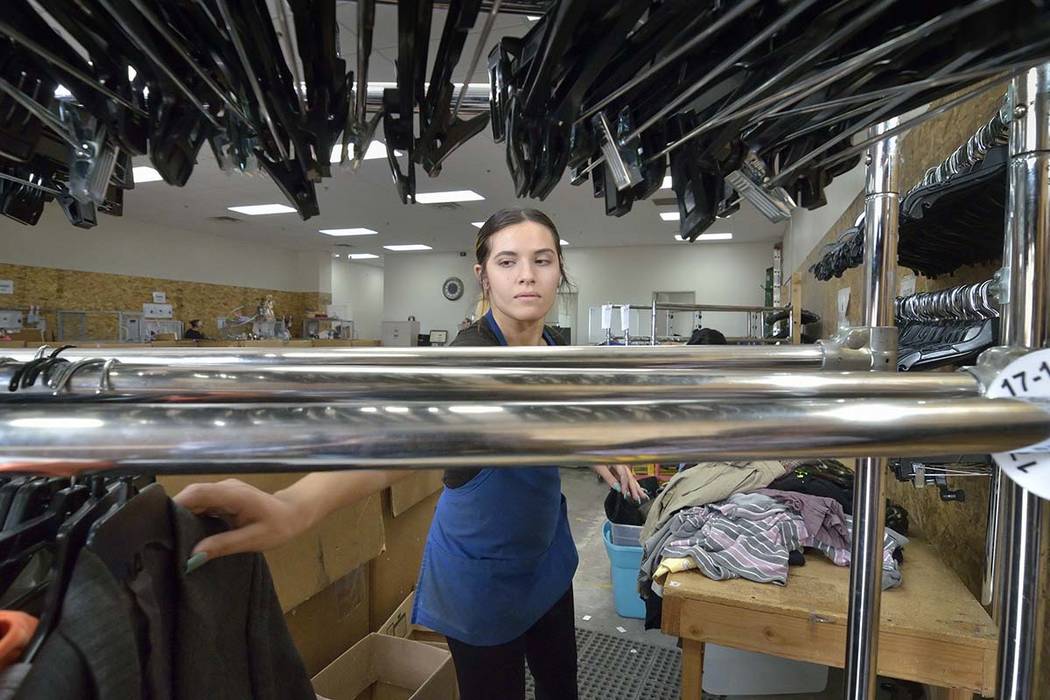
(1025,324)
(306,383)
(63,438)
(780,357)
(882,205)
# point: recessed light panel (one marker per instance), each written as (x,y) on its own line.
(710,237)
(144,173)
(446,197)
(407,248)
(375,150)
(362,256)
(348,232)
(263,209)
(670,216)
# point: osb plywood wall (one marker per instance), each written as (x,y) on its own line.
(956,529)
(104,295)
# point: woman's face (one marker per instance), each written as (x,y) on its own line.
(522,274)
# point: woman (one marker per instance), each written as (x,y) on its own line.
(497,569)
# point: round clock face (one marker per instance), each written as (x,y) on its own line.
(453,288)
(1027,377)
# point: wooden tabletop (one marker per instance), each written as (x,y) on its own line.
(932,629)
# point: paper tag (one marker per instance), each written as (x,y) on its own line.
(160,298)
(1026,378)
(586,618)
(625,319)
(906,286)
(843,303)
(606,316)
(621,630)
(7,286)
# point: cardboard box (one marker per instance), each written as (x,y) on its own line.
(399,624)
(332,621)
(307,565)
(380,667)
(414,489)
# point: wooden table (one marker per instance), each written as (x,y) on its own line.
(932,630)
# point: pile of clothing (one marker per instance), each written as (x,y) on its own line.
(753,520)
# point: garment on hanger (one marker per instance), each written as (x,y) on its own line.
(122,618)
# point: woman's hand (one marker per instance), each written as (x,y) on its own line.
(621,478)
(259,521)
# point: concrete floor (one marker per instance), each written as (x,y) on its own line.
(593,590)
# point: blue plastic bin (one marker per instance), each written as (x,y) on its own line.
(624,562)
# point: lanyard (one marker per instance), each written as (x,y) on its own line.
(490,320)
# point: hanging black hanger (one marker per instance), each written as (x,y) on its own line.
(71,538)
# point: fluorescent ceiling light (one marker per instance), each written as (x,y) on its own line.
(564,242)
(710,237)
(407,248)
(445,197)
(376,149)
(62,92)
(335,255)
(348,232)
(261,209)
(670,216)
(144,173)
(667,183)
(477,224)
(533,18)
(362,256)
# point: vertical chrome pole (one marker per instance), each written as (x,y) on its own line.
(882,208)
(1024,517)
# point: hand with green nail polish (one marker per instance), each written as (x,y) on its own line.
(258,520)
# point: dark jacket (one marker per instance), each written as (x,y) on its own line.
(478,334)
(159,633)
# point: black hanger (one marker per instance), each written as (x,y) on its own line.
(19,544)
(32,500)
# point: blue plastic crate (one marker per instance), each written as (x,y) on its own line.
(624,563)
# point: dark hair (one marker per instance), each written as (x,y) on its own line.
(509,217)
(194,321)
(707,336)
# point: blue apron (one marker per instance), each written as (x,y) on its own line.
(499,554)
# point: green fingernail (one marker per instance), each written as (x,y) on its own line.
(196,561)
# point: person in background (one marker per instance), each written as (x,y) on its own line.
(497,570)
(194,332)
(706,336)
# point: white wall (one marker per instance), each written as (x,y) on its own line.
(806,228)
(412,287)
(129,247)
(366,300)
(718,273)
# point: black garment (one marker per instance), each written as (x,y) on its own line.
(478,334)
(192,334)
(152,631)
(549,647)
(815,486)
(624,511)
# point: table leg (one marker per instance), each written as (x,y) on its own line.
(692,669)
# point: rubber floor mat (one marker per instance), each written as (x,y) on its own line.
(612,668)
